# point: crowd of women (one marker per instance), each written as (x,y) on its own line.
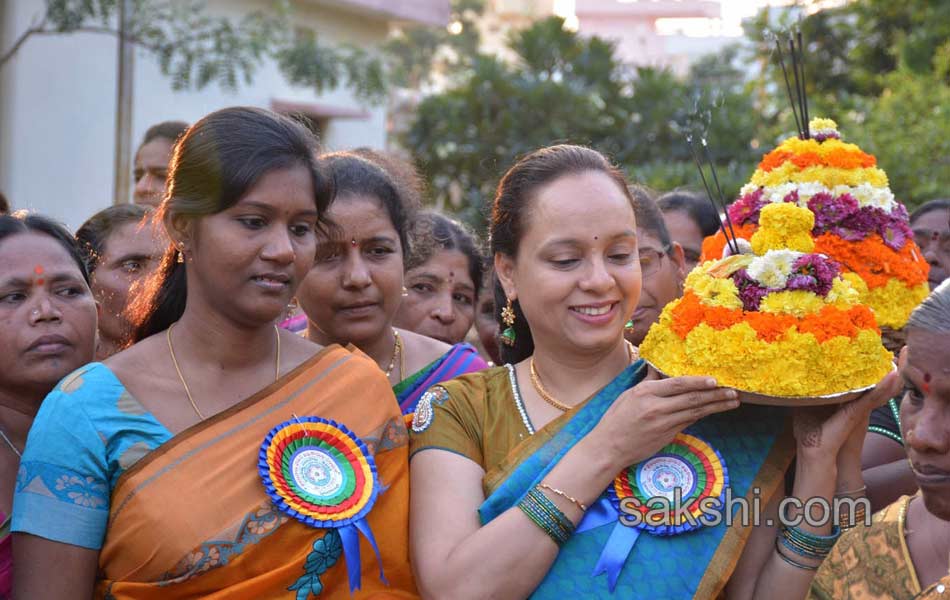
(152,358)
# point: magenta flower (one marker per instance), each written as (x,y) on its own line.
(813,273)
(746,209)
(830,211)
(750,292)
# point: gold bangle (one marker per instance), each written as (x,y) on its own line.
(561,493)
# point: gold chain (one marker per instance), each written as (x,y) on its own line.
(632,353)
(397,355)
(184,384)
(539,388)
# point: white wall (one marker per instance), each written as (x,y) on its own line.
(57,105)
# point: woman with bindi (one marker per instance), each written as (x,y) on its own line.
(354,290)
(517,470)
(47,330)
(159,463)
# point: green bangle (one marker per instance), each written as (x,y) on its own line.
(547,517)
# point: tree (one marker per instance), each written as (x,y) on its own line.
(195,49)
(562,87)
(880,69)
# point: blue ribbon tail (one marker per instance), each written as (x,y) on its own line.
(351,554)
(599,514)
(615,553)
(363,526)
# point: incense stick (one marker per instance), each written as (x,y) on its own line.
(801,62)
(798,91)
(788,86)
(734,246)
(722,199)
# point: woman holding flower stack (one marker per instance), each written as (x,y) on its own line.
(510,465)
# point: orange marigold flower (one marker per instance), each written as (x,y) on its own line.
(873,260)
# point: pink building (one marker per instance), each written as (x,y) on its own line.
(633,25)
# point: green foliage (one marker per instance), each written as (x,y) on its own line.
(880,69)
(908,128)
(416,55)
(564,88)
(195,49)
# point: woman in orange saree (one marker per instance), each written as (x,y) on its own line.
(234,541)
(219,456)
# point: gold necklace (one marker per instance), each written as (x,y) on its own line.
(397,355)
(184,384)
(539,388)
(632,353)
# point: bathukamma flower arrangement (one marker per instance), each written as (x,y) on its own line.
(857,220)
(781,320)
(320,473)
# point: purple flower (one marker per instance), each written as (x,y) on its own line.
(750,292)
(820,137)
(746,209)
(829,210)
(792,197)
(895,233)
(813,273)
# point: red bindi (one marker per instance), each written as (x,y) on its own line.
(38,269)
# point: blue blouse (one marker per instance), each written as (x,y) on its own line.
(88,431)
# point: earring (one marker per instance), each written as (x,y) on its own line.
(628,326)
(508,318)
(405,292)
(181,255)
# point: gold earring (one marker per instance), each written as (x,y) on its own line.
(181,255)
(508,318)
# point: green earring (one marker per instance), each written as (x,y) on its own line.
(629,326)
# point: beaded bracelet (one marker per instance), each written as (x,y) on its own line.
(546,515)
(792,562)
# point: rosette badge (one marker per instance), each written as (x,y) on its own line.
(320,473)
(857,221)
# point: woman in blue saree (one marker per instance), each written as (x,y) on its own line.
(508,477)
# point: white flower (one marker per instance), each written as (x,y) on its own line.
(807,189)
(773,268)
(747,189)
(777,193)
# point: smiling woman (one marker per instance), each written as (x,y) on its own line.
(208,383)
(47,329)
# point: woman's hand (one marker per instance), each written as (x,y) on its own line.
(646,417)
(834,435)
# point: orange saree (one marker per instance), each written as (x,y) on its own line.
(192,518)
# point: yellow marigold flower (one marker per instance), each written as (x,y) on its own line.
(893,303)
(713,290)
(827,176)
(822,123)
(784,225)
(843,293)
(794,302)
(737,358)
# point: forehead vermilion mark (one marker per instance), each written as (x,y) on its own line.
(926,385)
(38,269)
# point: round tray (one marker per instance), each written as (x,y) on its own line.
(757,398)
